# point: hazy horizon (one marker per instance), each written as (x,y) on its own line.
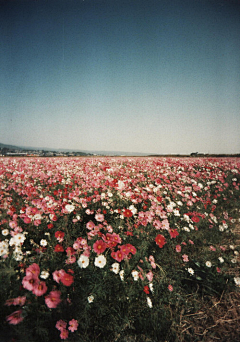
(147,76)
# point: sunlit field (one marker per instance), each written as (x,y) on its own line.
(119,249)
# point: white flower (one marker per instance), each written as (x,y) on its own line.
(151,287)
(43,243)
(5,232)
(237,281)
(234,261)
(69,207)
(100,261)
(186,229)
(90,299)
(133,209)
(83,261)
(115,267)
(121,273)
(135,275)
(221,229)
(191,271)
(44,274)
(208,264)
(17,239)
(221,259)
(149,302)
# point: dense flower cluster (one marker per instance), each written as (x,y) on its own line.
(61,218)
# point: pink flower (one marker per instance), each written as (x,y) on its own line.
(64,334)
(40,289)
(53,299)
(99,217)
(57,275)
(61,325)
(185,257)
(29,282)
(99,246)
(90,225)
(34,270)
(73,325)
(15,317)
(178,248)
(170,287)
(149,276)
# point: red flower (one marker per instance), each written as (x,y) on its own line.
(160,240)
(67,279)
(127,213)
(173,233)
(59,235)
(58,248)
(195,219)
(146,289)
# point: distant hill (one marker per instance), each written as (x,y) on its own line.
(106,153)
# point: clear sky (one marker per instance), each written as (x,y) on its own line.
(151,76)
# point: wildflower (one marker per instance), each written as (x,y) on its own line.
(69,208)
(15,317)
(191,271)
(237,281)
(170,287)
(99,246)
(17,239)
(221,259)
(59,236)
(149,276)
(178,248)
(121,273)
(151,287)
(149,302)
(115,267)
(100,261)
(58,248)
(53,299)
(173,233)
(208,264)
(29,282)
(83,261)
(90,299)
(160,240)
(43,243)
(135,275)
(185,257)
(99,217)
(5,232)
(127,213)
(73,325)
(146,289)
(67,279)
(61,325)
(39,289)
(64,334)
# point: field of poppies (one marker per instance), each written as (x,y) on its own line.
(115,249)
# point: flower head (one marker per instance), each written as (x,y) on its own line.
(100,261)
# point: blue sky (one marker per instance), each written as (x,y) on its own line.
(149,76)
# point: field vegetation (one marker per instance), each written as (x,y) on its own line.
(120,249)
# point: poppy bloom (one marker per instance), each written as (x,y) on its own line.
(160,240)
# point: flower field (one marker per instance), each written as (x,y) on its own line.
(115,249)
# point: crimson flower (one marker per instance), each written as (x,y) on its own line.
(160,240)
(146,289)
(127,213)
(173,233)
(99,246)
(58,248)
